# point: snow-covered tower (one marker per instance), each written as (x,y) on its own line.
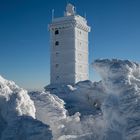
(69,48)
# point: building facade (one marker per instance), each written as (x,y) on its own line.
(69,48)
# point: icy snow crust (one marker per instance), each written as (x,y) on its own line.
(105,110)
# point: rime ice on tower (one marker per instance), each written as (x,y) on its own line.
(69,48)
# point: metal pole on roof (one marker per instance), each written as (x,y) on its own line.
(85,15)
(75,10)
(52,14)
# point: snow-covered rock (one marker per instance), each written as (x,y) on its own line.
(50,110)
(14,101)
(17,115)
(48,107)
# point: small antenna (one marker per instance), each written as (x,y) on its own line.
(85,15)
(52,14)
(75,10)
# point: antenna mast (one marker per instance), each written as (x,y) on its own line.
(85,15)
(75,10)
(52,14)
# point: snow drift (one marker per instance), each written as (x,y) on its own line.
(104,110)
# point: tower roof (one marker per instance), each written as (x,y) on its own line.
(70,17)
(70,10)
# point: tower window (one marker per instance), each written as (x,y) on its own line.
(56,32)
(57,77)
(56,43)
(57,53)
(57,65)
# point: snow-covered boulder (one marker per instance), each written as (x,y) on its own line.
(17,115)
(14,101)
(48,107)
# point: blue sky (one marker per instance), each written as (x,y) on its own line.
(24,36)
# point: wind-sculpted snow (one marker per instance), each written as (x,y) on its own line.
(50,110)
(14,101)
(48,107)
(117,73)
(17,115)
(104,110)
(84,97)
(113,104)
(121,108)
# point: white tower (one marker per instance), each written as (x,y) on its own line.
(69,48)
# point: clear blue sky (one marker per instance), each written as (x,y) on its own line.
(24,36)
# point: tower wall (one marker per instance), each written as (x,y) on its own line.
(81,54)
(69,49)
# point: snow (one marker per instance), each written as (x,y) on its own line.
(84,97)
(104,110)
(14,101)
(17,115)
(26,128)
(111,105)
(49,109)
(121,79)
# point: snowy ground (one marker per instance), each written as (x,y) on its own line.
(105,110)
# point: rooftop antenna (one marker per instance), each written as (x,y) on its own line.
(85,15)
(52,14)
(75,10)
(66,10)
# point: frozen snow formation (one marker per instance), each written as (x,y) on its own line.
(121,108)
(50,110)
(17,115)
(104,110)
(109,109)
(14,100)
